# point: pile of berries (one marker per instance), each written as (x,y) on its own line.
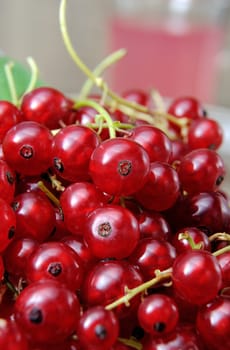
(114,228)
(114,233)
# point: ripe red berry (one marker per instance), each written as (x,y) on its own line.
(213,323)
(55,261)
(158,314)
(151,254)
(201,170)
(107,281)
(119,166)
(98,329)
(47,311)
(161,189)
(12,337)
(27,148)
(7,182)
(155,142)
(197,276)
(9,116)
(111,232)
(35,215)
(77,201)
(8,224)
(71,151)
(205,133)
(47,106)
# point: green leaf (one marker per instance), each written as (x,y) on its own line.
(21,74)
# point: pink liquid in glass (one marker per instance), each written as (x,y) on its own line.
(176,60)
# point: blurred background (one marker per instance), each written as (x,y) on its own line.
(179,47)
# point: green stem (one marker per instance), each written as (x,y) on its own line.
(131,342)
(223,236)
(108,61)
(69,46)
(98,81)
(131,293)
(34,75)
(221,251)
(11,83)
(49,194)
(102,112)
(193,245)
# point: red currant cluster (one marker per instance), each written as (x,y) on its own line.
(114,228)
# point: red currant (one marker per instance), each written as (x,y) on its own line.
(108,281)
(197,276)
(47,312)
(71,151)
(8,224)
(47,106)
(77,201)
(111,232)
(35,215)
(9,116)
(151,255)
(161,189)
(205,133)
(27,148)
(158,314)
(98,329)
(155,142)
(213,323)
(11,336)
(7,182)
(55,261)
(119,166)
(201,170)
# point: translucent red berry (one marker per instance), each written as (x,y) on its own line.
(119,166)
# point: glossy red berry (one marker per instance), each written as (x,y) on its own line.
(224,261)
(9,116)
(77,243)
(8,224)
(107,281)
(16,255)
(201,170)
(98,329)
(151,255)
(186,106)
(213,323)
(47,311)
(153,224)
(156,143)
(195,234)
(205,133)
(182,338)
(208,210)
(7,181)
(27,148)
(158,314)
(2,268)
(12,336)
(71,151)
(47,106)
(119,166)
(196,276)
(111,232)
(55,261)
(77,201)
(161,189)
(35,215)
